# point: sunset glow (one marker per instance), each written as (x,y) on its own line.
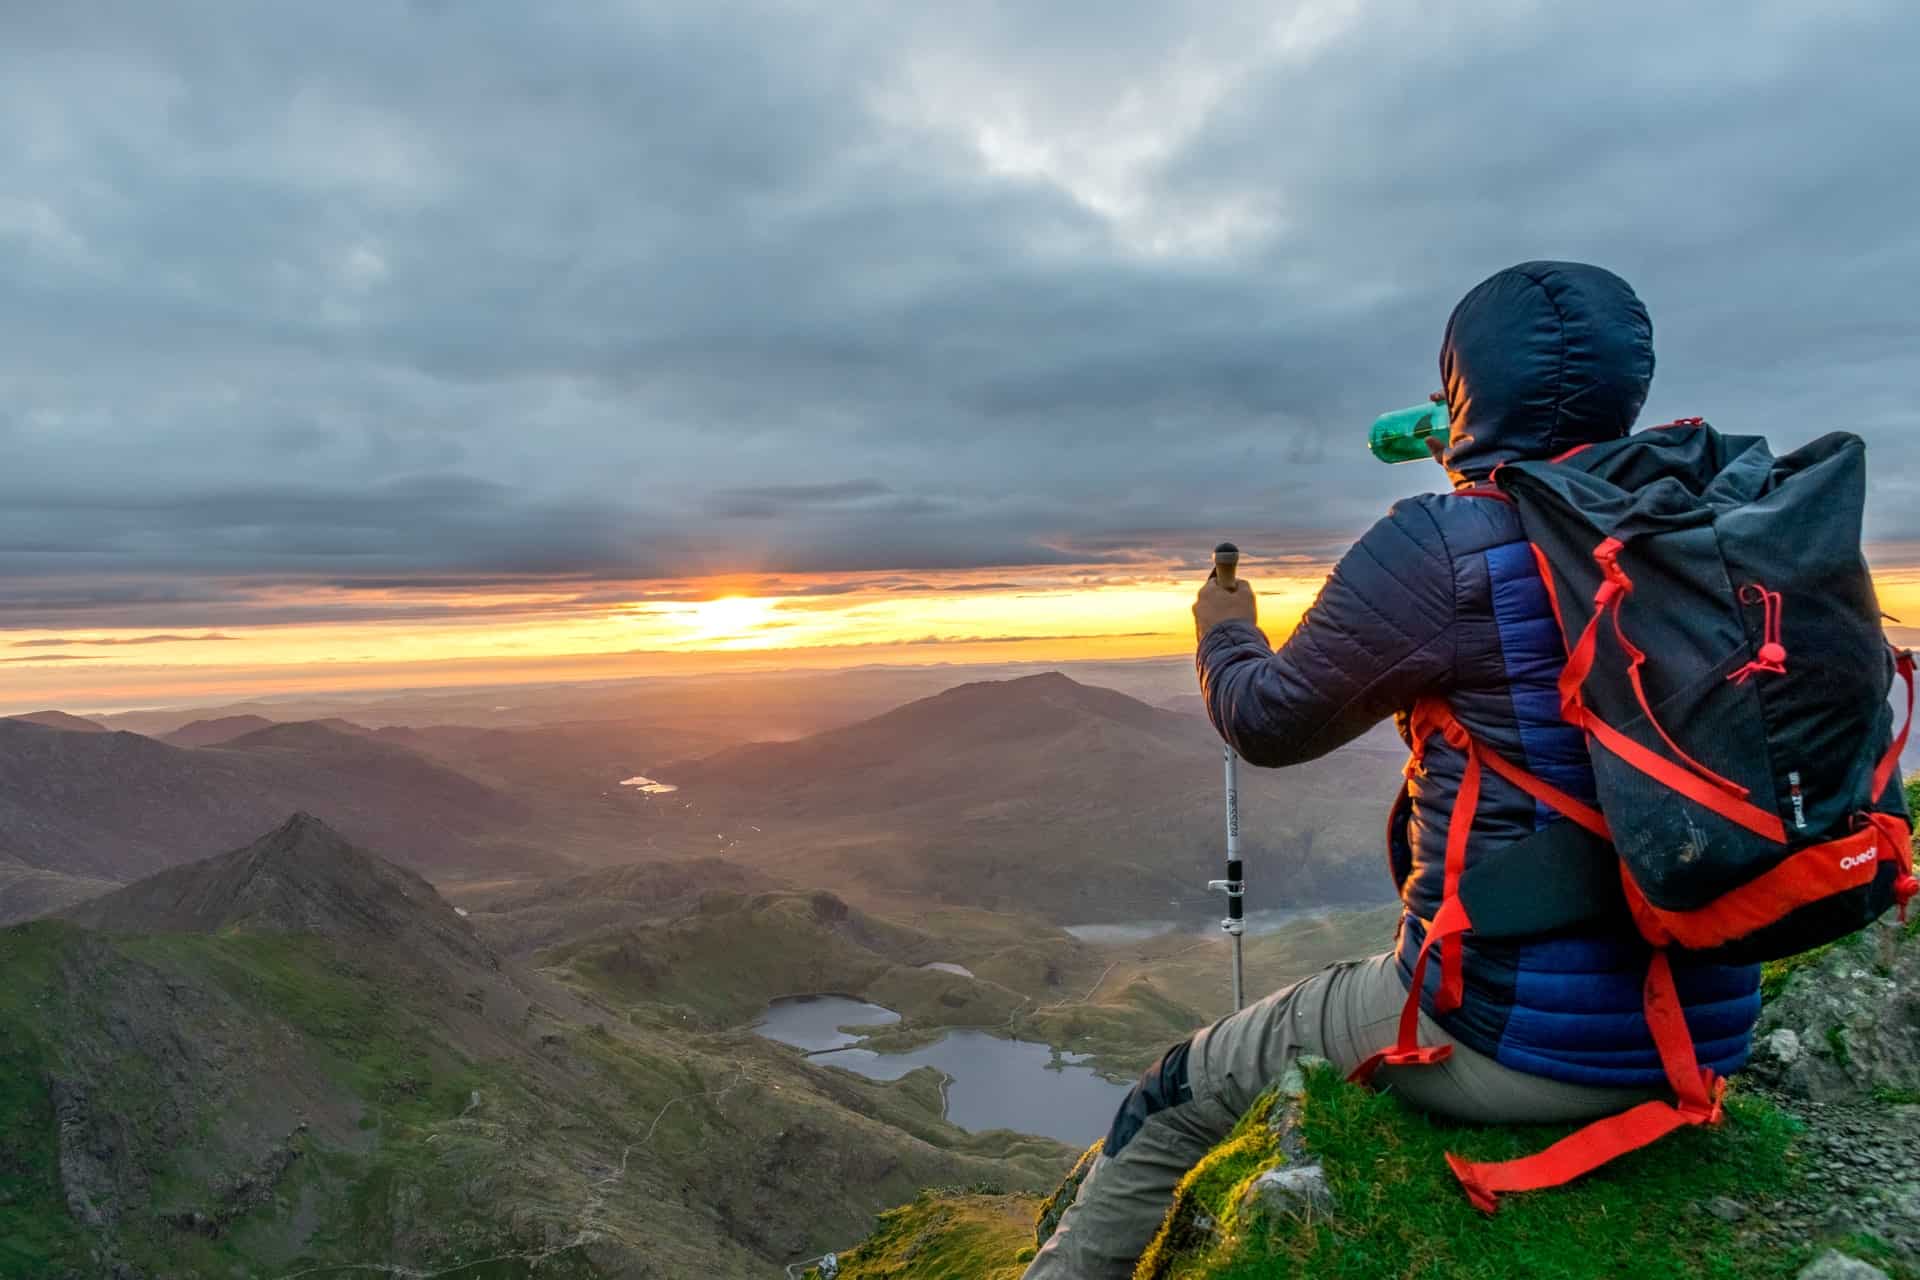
(674,627)
(428,638)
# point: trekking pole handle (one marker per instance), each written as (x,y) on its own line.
(1226,566)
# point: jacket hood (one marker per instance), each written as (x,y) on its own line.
(1539,358)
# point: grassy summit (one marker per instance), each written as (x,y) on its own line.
(1400,1213)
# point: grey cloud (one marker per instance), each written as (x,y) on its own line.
(388,296)
(62,643)
(766,501)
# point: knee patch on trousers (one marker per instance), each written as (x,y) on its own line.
(1162,1085)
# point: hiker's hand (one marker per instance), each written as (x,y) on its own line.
(1437,445)
(1216,605)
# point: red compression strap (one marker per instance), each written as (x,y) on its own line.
(1688,784)
(1548,794)
(1883,772)
(1572,1157)
(1608,556)
(1459,828)
(1698,784)
(1451,922)
(1698,1095)
(1666,1019)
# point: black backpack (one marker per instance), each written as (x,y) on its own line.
(1726,657)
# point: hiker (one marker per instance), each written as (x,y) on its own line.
(1442,598)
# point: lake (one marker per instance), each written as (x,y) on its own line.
(991,1083)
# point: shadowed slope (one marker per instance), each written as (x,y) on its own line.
(117,805)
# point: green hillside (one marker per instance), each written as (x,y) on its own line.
(256,1102)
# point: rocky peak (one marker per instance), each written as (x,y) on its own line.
(301,877)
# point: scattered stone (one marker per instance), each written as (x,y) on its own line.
(1293,1081)
(1784,1047)
(1293,1191)
(1834,1265)
(1839,1221)
(1854,1160)
(1284,1124)
(1726,1209)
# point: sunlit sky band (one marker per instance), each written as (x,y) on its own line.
(424,637)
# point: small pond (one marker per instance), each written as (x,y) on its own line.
(992,1083)
(813,1022)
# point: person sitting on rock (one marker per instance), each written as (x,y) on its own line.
(1443,598)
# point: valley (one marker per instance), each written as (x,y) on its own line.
(477,1010)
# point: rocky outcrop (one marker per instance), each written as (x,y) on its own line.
(93,1163)
(1834,1265)
(1291,1191)
(1843,1023)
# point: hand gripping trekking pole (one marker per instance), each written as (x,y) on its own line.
(1226,568)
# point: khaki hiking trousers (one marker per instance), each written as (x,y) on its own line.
(1343,1014)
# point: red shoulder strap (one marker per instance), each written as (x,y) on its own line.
(1450,923)
(1697,1092)
(1697,1098)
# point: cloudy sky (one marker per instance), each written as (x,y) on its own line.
(347,341)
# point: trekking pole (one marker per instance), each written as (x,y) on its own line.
(1226,566)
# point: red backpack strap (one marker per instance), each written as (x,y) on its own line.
(1697,1101)
(1689,778)
(1898,835)
(1450,923)
(1883,772)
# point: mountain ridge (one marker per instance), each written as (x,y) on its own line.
(62,721)
(118,805)
(213,732)
(1040,794)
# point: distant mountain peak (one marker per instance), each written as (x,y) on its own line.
(301,877)
(1048,698)
(62,721)
(217,731)
(1041,680)
(302,734)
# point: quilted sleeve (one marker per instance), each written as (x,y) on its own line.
(1380,634)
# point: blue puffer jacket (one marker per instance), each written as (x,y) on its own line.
(1442,598)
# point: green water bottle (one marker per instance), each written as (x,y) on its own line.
(1401,436)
